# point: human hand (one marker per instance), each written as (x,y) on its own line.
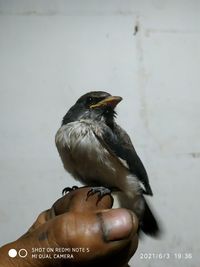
(103,236)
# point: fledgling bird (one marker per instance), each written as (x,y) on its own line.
(100,154)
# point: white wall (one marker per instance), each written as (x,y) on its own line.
(51,52)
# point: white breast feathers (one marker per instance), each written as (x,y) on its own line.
(88,160)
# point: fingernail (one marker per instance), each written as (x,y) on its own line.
(116,224)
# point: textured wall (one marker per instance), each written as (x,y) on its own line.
(51,52)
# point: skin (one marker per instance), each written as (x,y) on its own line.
(75,221)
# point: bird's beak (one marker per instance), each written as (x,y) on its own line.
(111,101)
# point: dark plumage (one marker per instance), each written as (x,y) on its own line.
(98,152)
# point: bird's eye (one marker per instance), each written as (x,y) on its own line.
(93,100)
(107,111)
(90,100)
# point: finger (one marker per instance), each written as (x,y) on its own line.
(103,236)
(41,219)
(100,234)
(78,201)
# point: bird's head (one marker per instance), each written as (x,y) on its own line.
(95,105)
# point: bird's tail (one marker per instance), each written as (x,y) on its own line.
(149,224)
(147,221)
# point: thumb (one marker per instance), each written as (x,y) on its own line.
(90,237)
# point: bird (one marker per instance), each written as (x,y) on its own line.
(99,153)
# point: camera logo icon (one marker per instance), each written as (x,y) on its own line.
(22,253)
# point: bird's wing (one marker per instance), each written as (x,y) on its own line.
(118,141)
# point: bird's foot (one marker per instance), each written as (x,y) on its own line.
(66,190)
(101,191)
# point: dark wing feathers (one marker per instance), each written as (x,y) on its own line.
(120,143)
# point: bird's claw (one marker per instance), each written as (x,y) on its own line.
(101,191)
(66,190)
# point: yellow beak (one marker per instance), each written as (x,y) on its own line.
(111,101)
